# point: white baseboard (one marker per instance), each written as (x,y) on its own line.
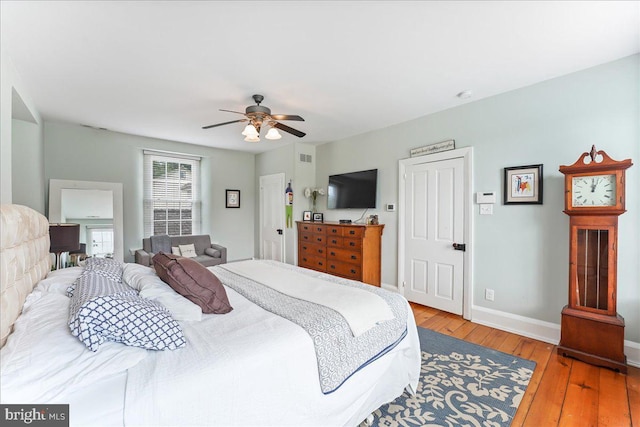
(392,288)
(537,329)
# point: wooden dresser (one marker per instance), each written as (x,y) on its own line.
(347,250)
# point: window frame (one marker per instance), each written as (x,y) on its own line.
(152,199)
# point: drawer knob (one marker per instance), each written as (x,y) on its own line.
(353,271)
(320,263)
(354,257)
(320,251)
(333,254)
(334,241)
(352,232)
(332,266)
(352,243)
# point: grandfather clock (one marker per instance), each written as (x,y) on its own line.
(591,329)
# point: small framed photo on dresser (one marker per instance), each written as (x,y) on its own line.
(318,217)
(306,215)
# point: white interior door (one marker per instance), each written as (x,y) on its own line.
(272,217)
(433,217)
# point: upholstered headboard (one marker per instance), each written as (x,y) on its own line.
(24,260)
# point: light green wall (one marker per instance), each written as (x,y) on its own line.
(521,251)
(13,93)
(27,165)
(80,153)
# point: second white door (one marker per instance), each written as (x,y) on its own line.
(272,216)
(433,222)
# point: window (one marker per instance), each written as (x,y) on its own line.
(171,194)
(101,242)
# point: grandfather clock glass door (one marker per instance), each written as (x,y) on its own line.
(592,291)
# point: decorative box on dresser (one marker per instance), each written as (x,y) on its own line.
(352,251)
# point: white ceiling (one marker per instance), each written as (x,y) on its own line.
(164,69)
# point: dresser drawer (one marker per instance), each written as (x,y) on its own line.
(351,243)
(335,241)
(345,255)
(312,262)
(306,227)
(334,230)
(318,229)
(350,271)
(353,231)
(311,249)
(318,239)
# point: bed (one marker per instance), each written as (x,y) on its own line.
(246,367)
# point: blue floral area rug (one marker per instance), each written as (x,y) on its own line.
(461,384)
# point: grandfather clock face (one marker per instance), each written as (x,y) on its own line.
(594,190)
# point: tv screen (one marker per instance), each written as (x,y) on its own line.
(355,190)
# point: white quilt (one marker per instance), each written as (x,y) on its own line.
(362,310)
(248,367)
(252,368)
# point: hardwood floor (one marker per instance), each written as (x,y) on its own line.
(562,391)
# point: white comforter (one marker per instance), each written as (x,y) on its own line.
(247,367)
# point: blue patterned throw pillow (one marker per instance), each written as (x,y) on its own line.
(103,309)
(128,319)
(106,267)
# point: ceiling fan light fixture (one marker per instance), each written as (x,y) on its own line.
(250,131)
(273,134)
(252,138)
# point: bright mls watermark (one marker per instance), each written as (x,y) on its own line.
(35,415)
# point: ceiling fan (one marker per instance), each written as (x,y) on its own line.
(257,115)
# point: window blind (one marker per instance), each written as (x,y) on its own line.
(171,194)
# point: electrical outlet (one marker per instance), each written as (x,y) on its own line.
(486,209)
(488,294)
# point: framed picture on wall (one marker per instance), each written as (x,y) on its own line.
(233,198)
(523,185)
(306,215)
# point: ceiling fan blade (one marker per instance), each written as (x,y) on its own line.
(231,111)
(288,129)
(225,123)
(287,117)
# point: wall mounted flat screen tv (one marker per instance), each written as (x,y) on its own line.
(354,190)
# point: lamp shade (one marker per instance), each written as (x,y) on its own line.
(273,134)
(64,237)
(250,131)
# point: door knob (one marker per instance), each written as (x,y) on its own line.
(279,230)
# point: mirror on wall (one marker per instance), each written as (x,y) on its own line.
(97,207)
